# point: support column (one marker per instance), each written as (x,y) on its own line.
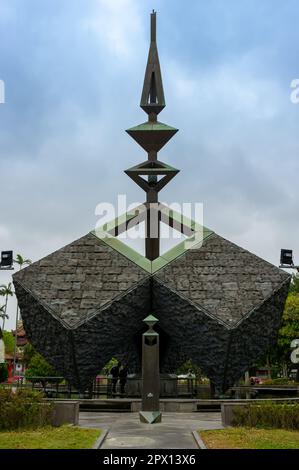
(152,240)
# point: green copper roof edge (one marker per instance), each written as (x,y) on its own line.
(124,250)
(179,217)
(147,165)
(151,318)
(127,216)
(140,260)
(152,170)
(152,126)
(177,251)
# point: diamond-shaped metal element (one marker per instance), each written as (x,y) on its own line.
(150,320)
(152,136)
(194,232)
(150,417)
(152,169)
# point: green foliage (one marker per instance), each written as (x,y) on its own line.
(6,290)
(187,367)
(106,369)
(289,329)
(267,415)
(3,372)
(9,341)
(294,287)
(39,367)
(23,409)
(279,355)
(278,381)
(28,353)
(21,261)
(3,313)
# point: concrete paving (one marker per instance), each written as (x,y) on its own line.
(126,431)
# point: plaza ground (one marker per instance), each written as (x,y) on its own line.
(126,431)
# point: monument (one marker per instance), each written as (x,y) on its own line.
(217,304)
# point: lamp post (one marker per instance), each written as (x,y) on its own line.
(150,412)
(286,259)
(295,355)
(21,262)
(6,262)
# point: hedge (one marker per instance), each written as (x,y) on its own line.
(267,415)
(23,409)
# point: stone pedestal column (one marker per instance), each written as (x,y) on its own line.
(150,412)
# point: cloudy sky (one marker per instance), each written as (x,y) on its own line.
(73,72)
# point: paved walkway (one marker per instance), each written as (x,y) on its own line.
(126,431)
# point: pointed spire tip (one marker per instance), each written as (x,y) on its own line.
(153,26)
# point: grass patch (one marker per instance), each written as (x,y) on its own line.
(250,438)
(64,437)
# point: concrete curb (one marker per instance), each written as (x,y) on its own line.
(98,443)
(198,440)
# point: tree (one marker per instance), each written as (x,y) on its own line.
(289,330)
(294,287)
(189,366)
(9,341)
(21,262)
(39,367)
(6,291)
(106,369)
(3,314)
(28,354)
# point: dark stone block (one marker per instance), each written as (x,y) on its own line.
(217,304)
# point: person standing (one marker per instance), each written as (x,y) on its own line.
(115,375)
(123,374)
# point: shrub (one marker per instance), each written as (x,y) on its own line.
(279,381)
(9,341)
(39,367)
(267,415)
(23,409)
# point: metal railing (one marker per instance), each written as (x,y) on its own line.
(104,387)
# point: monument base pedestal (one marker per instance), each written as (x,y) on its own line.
(150,417)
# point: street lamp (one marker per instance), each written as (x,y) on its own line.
(6,262)
(295,355)
(286,259)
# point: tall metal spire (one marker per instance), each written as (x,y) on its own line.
(152,98)
(152,175)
